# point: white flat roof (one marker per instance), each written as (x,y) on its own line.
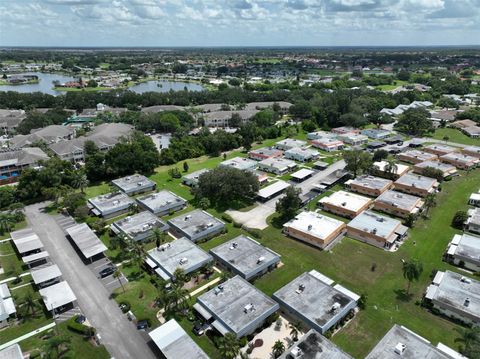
(301,174)
(26,240)
(35,257)
(57,295)
(11,352)
(175,343)
(273,188)
(87,241)
(45,274)
(315,224)
(347,200)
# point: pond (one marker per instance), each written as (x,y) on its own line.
(44,85)
(165,86)
(46,80)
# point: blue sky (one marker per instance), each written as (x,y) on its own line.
(239,22)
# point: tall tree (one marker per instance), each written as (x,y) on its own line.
(278,348)
(358,161)
(430,202)
(288,205)
(229,346)
(412,270)
(470,341)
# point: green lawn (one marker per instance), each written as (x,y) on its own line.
(396,83)
(80,347)
(455,135)
(350,264)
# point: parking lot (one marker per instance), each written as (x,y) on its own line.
(108,281)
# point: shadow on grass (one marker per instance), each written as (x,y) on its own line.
(402,295)
(277,222)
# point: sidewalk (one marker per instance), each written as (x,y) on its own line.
(26,336)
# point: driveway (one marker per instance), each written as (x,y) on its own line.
(119,336)
(257,217)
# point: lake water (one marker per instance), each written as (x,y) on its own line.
(46,80)
(44,85)
(165,86)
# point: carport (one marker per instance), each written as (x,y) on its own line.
(86,241)
(46,275)
(26,241)
(57,295)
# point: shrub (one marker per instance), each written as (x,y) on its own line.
(79,328)
(254,232)
(243,342)
(125,306)
(227,218)
(237,225)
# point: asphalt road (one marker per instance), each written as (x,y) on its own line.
(119,336)
(257,217)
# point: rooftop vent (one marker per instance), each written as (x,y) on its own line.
(210,224)
(374,231)
(310,227)
(139,184)
(467,302)
(116,202)
(188,217)
(380,219)
(260,259)
(249,308)
(183,260)
(466,280)
(300,289)
(336,306)
(400,348)
(234,245)
(218,289)
(344,204)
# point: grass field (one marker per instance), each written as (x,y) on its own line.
(349,263)
(455,135)
(396,83)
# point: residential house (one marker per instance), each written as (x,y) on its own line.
(196,225)
(314,228)
(14,162)
(313,299)
(473,151)
(289,143)
(455,296)
(139,226)
(345,204)
(398,204)
(278,166)
(446,169)
(416,185)
(235,306)
(181,254)
(473,222)
(328,144)
(368,185)
(416,156)
(376,229)
(162,203)
(439,149)
(264,153)
(111,204)
(245,257)
(301,154)
(460,161)
(464,251)
(134,184)
(192,179)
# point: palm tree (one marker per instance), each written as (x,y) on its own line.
(430,201)
(80,181)
(180,277)
(118,275)
(6,222)
(229,346)
(57,347)
(412,270)
(294,329)
(470,340)
(278,348)
(176,299)
(30,304)
(137,252)
(158,234)
(391,167)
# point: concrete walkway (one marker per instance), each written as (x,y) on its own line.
(13,278)
(26,336)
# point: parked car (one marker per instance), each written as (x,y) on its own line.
(81,319)
(107,271)
(142,325)
(198,329)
